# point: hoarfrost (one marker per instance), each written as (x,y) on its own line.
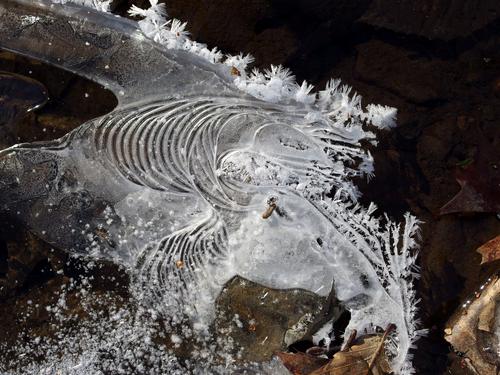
(172,185)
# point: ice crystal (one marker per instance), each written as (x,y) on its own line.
(172,183)
(101,5)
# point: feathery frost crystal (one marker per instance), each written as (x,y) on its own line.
(181,171)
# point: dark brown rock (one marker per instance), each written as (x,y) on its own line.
(433,19)
(402,71)
(257,318)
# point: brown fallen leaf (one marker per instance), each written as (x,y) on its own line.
(344,363)
(479,180)
(471,330)
(301,363)
(365,357)
(235,71)
(490,251)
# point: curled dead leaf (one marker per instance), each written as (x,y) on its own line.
(316,351)
(366,356)
(490,251)
(479,181)
(235,71)
(252,326)
(344,363)
(301,363)
(471,330)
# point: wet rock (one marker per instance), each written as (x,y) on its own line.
(72,100)
(232,26)
(57,123)
(26,314)
(261,320)
(18,96)
(297,332)
(46,312)
(441,19)
(401,71)
(433,156)
(44,126)
(27,261)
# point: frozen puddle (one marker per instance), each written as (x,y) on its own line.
(199,175)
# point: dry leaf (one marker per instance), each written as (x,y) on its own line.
(471,329)
(486,319)
(301,363)
(365,356)
(344,363)
(490,251)
(235,71)
(479,181)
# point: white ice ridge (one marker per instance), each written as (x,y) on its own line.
(276,84)
(173,182)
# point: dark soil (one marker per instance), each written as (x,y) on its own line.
(437,61)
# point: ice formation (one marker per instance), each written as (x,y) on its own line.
(173,182)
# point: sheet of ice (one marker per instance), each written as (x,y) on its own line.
(173,182)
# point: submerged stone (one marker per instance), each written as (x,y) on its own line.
(262,321)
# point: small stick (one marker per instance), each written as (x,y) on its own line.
(269,210)
(315,351)
(388,330)
(349,341)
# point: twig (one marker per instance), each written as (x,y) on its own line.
(388,330)
(269,210)
(349,341)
